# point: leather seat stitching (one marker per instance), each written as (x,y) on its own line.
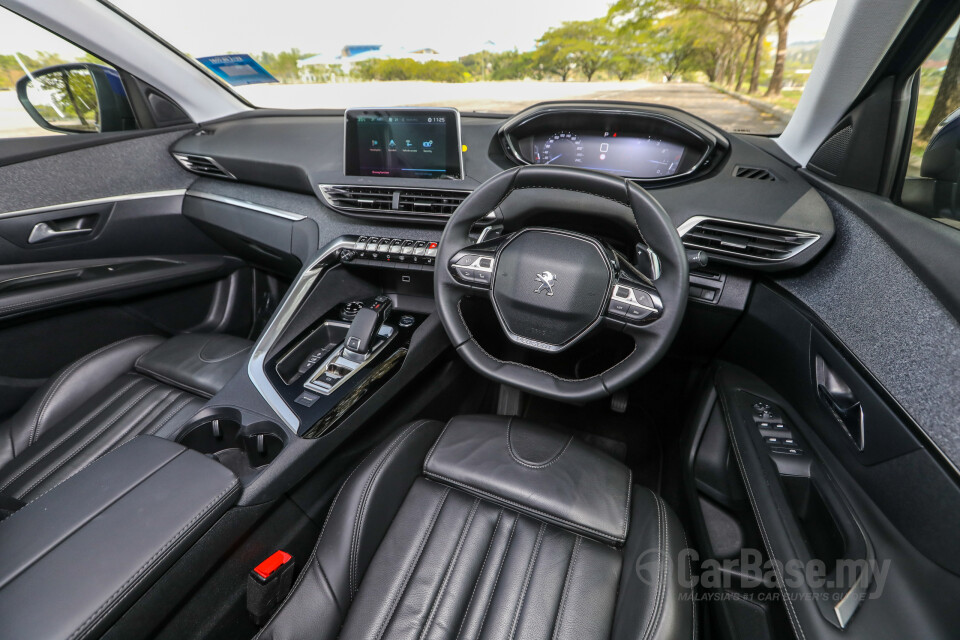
(626,506)
(496,580)
(138,574)
(693,595)
(177,409)
(658,609)
(413,565)
(66,436)
(525,463)
(523,507)
(361,505)
(86,443)
(433,448)
(450,568)
(313,554)
(483,565)
(660,562)
(41,410)
(526,580)
(566,586)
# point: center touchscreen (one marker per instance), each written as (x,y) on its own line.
(403,143)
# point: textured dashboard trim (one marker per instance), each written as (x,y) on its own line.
(886,316)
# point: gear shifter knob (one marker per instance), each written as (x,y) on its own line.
(359,338)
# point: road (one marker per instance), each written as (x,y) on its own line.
(498,97)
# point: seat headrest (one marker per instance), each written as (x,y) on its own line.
(196,362)
(548,474)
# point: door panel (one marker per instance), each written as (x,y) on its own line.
(94,248)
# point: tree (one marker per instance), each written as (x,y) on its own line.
(948,95)
(582,45)
(782,12)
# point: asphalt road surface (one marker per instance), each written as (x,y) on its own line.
(497,97)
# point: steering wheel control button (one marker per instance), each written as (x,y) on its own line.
(618,308)
(636,312)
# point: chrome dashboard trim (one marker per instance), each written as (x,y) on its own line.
(94,201)
(374,212)
(281,317)
(245,204)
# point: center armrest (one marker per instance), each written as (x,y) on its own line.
(76,557)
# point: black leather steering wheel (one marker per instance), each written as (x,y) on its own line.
(552,287)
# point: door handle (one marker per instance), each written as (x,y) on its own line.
(57,229)
(841,402)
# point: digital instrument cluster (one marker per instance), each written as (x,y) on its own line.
(639,143)
(628,155)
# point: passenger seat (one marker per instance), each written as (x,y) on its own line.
(141,385)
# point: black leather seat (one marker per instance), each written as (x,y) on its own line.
(141,385)
(498,528)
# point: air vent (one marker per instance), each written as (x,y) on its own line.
(754,173)
(749,242)
(204,165)
(437,203)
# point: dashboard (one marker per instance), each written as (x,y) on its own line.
(275,186)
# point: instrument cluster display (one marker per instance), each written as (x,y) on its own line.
(644,143)
(627,155)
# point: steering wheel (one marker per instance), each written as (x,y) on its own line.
(552,287)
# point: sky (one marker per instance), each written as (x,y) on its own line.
(452,27)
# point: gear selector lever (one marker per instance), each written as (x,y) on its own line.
(363,329)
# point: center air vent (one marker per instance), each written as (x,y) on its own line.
(204,165)
(435,203)
(748,242)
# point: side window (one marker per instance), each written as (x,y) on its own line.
(932,183)
(48,86)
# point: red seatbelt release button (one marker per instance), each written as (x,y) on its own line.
(269,567)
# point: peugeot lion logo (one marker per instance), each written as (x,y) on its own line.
(546,280)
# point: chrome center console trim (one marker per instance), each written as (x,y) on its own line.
(328,256)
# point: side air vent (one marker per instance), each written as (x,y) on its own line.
(434,203)
(748,242)
(754,173)
(204,165)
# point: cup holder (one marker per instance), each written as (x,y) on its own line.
(239,448)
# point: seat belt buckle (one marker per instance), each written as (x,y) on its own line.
(268,584)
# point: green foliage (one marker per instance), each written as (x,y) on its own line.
(584,46)
(409,69)
(283,65)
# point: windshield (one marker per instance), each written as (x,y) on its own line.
(740,64)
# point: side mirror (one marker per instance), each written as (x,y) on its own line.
(941,160)
(76,98)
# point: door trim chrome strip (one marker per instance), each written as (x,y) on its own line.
(244,204)
(281,317)
(94,201)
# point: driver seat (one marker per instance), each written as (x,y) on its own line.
(491,527)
